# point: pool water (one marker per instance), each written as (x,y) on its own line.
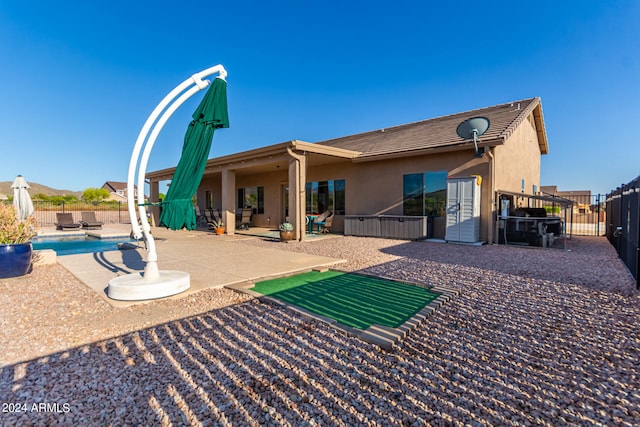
(73,245)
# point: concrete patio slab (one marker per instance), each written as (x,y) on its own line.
(211,261)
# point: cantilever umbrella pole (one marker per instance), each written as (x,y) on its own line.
(151,269)
(142,137)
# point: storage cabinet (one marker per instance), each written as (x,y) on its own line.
(391,226)
(362,225)
(463,210)
(403,227)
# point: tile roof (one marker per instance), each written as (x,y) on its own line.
(440,132)
(117,185)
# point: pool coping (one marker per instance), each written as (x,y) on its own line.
(380,335)
(100,234)
(50,256)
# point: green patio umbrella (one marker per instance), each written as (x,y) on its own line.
(211,114)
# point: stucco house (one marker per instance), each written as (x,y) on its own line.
(117,190)
(398,171)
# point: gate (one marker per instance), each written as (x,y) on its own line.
(588,216)
(623,232)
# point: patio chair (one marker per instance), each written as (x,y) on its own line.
(324,225)
(245,220)
(90,222)
(208,218)
(216,215)
(65,220)
(319,220)
(200,219)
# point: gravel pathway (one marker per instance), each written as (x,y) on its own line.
(536,337)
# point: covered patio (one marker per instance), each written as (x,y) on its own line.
(278,173)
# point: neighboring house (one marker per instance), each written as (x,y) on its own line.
(583,202)
(117,190)
(400,170)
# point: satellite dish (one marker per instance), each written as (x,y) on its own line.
(473,128)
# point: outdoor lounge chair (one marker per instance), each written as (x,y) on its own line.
(245,220)
(324,225)
(90,222)
(65,220)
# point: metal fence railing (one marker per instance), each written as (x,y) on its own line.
(623,232)
(586,217)
(109,212)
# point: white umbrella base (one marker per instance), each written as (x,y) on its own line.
(133,287)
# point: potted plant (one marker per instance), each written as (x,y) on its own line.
(15,242)
(218,226)
(286,231)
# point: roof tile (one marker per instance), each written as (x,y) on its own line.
(437,132)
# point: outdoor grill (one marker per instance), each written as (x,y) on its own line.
(532,226)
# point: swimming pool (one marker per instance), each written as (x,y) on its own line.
(72,245)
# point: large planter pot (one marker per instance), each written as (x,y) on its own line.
(15,260)
(286,235)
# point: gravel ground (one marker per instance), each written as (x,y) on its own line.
(536,337)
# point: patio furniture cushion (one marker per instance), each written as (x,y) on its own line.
(65,220)
(90,222)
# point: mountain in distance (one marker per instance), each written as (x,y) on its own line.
(35,188)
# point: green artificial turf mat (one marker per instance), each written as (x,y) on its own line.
(350,299)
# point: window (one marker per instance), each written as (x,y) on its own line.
(251,197)
(413,192)
(324,196)
(435,194)
(425,193)
(208,199)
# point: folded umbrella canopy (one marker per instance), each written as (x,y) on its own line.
(21,199)
(211,114)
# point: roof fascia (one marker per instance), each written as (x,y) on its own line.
(534,108)
(541,129)
(236,160)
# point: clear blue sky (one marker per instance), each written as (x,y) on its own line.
(79,78)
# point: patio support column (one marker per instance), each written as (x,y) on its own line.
(297,198)
(154,194)
(229,200)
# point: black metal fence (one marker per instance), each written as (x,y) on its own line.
(106,212)
(623,232)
